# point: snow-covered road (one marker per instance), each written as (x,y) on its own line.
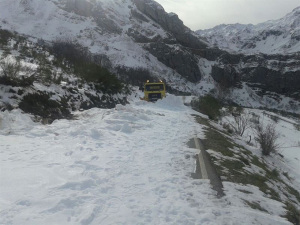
(128,165)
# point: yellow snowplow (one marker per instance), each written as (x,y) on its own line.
(154,91)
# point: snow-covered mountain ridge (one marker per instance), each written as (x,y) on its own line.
(280,36)
(121,30)
(137,36)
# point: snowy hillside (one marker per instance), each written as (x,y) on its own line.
(272,37)
(116,29)
(138,37)
(128,165)
(50,20)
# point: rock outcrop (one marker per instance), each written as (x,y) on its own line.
(270,73)
(171,23)
(180,60)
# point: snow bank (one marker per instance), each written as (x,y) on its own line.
(172,103)
(14,122)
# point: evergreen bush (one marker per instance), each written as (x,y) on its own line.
(209,106)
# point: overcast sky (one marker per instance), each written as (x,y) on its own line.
(203,14)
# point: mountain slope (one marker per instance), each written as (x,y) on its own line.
(121,30)
(138,40)
(275,36)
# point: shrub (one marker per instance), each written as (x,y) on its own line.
(103,80)
(241,123)
(10,68)
(274,118)
(297,126)
(69,52)
(292,213)
(10,74)
(228,128)
(255,119)
(5,35)
(45,74)
(267,138)
(40,104)
(73,56)
(209,106)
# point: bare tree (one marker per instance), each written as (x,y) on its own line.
(10,68)
(242,123)
(267,138)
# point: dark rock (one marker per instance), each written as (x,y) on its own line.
(269,73)
(139,16)
(227,76)
(271,80)
(211,54)
(170,22)
(231,59)
(140,38)
(183,62)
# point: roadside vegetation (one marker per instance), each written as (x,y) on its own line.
(73,58)
(241,120)
(236,163)
(68,77)
(209,106)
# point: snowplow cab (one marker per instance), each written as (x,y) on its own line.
(154,91)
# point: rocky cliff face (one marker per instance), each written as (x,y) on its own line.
(270,73)
(170,22)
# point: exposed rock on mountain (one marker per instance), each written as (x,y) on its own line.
(226,75)
(170,22)
(273,73)
(178,59)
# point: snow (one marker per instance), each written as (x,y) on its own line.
(288,142)
(57,24)
(251,39)
(127,165)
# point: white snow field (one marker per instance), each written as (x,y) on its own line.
(128,165)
